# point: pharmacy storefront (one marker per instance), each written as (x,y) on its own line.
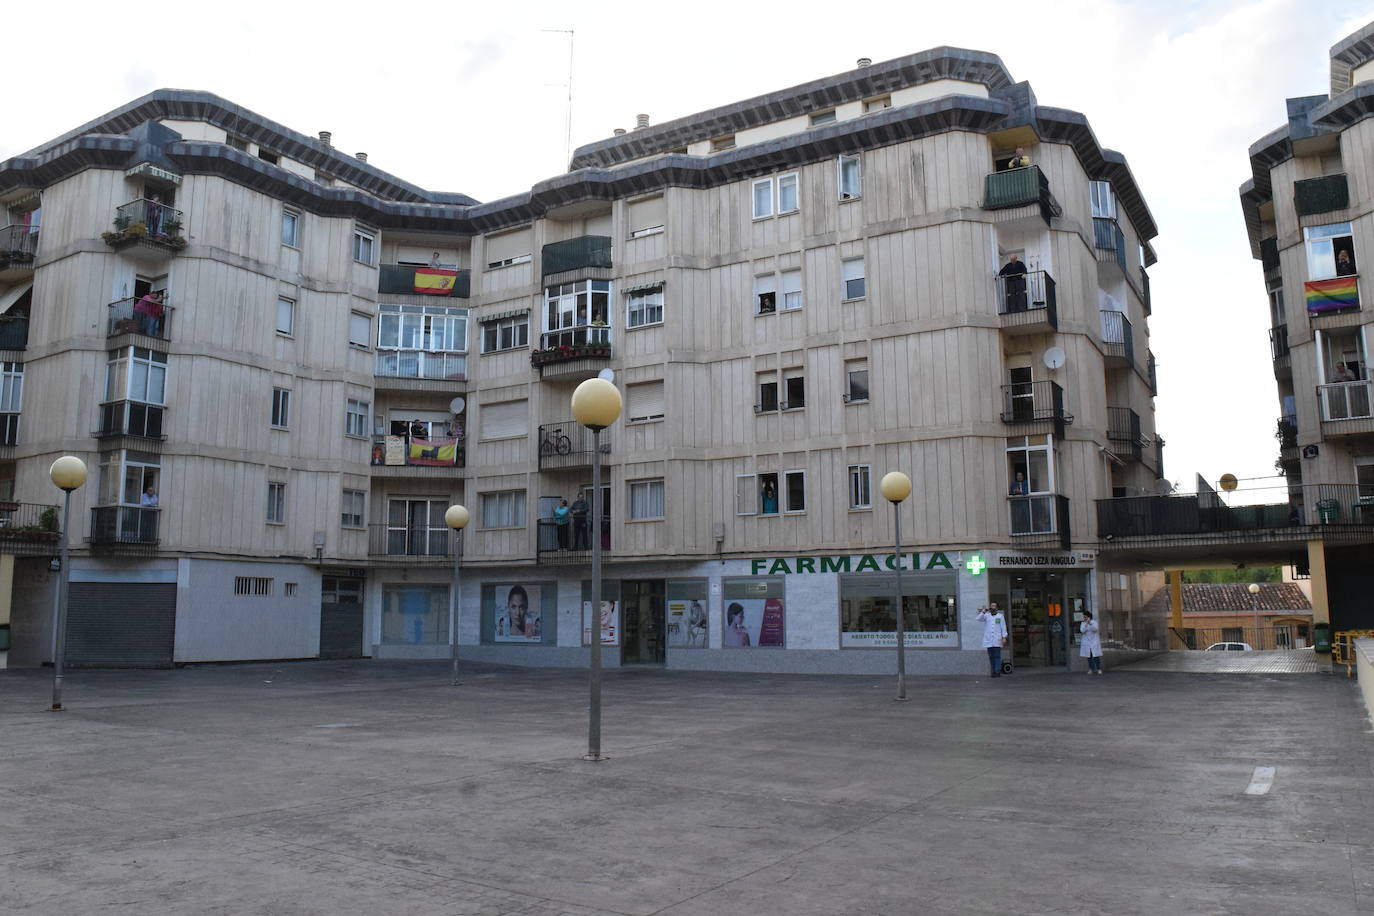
(1044,596)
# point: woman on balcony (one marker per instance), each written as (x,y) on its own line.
(148,309)
(562,517)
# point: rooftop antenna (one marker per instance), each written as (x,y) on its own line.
(567,121)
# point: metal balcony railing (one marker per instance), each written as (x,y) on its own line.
(1028,292)
(1035,402)
(1278,341)
(1191,514)
(18,245)
(1269,254)
(440,452)
(130,418)
(575,254)
(415,542)
(1344,400)
(1046,514)
(9,428)
(147,220)
(1123,428)
(421,364)
(1152,372)
(14,332)
(123,525)
(1117,339)
(1321,195)
(140,316)
(1107,236)
(568,445)
(569,546)
(1145,299)
(1017,188)
(399,279)
(28,525)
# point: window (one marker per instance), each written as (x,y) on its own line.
(878,104)
(286,316)
(290,228)
(787,199)
(852,272)
(136,374)
(503,510)
(506,333)
(756,494)
(763,198)
(791,290)
(868,617)
(753,613)
(237,143)
(794,389)
(644,401)
(281,407)
(1330,251)
(767,383)
(351,514)
(850,178)
(787,194)
(577,313)
(1276,313)
(259,586)
(359,330)
(505,420)
(508,248)
(1103,200)
(276,503)
(364,245)
(415,527)
(422,327)
(823,117)
(268,156)
(644,307)
(126,477)
(723,143)
(647,216)
(355,418)
(289,589)
(856,381)
(646,499)
(794,491)
(415,615)
(860,487)
(1030,472)
(765,294)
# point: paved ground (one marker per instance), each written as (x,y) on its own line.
(370,787)
(1266,661)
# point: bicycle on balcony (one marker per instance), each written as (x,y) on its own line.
(555,443)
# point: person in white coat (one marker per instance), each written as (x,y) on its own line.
(1090,647)
(994,635)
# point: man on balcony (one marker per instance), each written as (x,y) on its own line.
(582,533)
(1013,275)
(1019,159)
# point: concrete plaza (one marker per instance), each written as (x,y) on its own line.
(375,787)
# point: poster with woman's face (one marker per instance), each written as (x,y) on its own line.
(610,623)
(687,624)
(752,622)
(517,613)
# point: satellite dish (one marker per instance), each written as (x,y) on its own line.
(1053,358)
(606,375)
(456,405)
(1163,487)
(1228,482)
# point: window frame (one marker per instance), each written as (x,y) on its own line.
(291,315)
(794,179)
(366,342)
(754,197)
(369,238)
(349,496)
(651,417)
(785,301)
(281,408)
(790,375)
(860,487)
(491,503)
(785,493)
(293,219)
(862,279)
(357,413)
(276,502)
(498,326)
(765,294)
(120,373)
(644,308)
(840,178)
(649,482)
(1314,240)
(768,377)
(851,368)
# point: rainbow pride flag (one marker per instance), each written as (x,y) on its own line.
(435,281)
(1330,295)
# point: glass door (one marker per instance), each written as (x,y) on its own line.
(643,619)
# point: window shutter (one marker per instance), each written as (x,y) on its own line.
(646,400)
(509,418)
(746,495)
(647,214)
(509,245)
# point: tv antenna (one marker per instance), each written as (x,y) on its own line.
(567,121)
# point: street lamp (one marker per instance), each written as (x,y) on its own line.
(1254,599)
(596,405)
(456,518)
(68,473)
(896,487)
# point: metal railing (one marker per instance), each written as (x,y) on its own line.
(1268,637)
(1117,338)
(1269,253)
(18,244)
(14,332)
(1151,372)
(1046,515)
(134,316)
(9,428)
(1321,195)
(1344,400)
(1278,341)
(569,546)
(568,445)
(1107,236)
(159,222)
(1145,299)
(430,452)
(31,522)
(575,254)
(415,541)
(1191,514)
(421,364)
(1123,426)
(583,335)
(130,418)
(1017,188)
(1034,402)
(123,525)
(399,279)
(1031,291)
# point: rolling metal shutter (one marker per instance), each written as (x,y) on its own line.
(121,624)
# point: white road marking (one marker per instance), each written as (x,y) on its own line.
(1261,782)
(338,725)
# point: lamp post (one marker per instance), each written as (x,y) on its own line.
(896,487)
(596,405)
(1254,600)
(68,473)
(456,518)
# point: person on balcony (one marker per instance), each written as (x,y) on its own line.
(1019,486)
(1343,374)
(434,260)
(562,517)
(582,532)
(148,310)
(1013,275)
(153,214)
(149,498)
(1019,159)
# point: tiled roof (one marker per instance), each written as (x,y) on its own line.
(1274,598)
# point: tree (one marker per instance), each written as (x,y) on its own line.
(1230,576)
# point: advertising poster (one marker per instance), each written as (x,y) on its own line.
(753,622)
(395,450)
(610,623)
(687,624)
(517,614)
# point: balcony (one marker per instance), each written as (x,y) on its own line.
(123,525)
(1321,195)
(409,456)
(1345,408)
(1035,402)
(421,365)
(18,248)
(1109,241)
(1160,517)
(413,544)
(1118,342)
(1123,430)
(130,418)
(583,350)
(27,529)
(576,254)
(14,332)
(1286,431)
(568,445)
(1269,254)
(1278,349)
(1145,300)
(578,550)
(1019,188)
(141,316)
(408,280)
(9,429)
(1040,520)
(1151,372)
(1027,303)
(151,227)
(1158,457)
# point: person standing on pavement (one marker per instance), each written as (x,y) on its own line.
(1090,647)
(994,635)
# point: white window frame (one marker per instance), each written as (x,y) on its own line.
(502,509)
(276,502)
(414,328)
(823,117)
(765,291)
(356,415)
(1319,246)
(11,387)
(353,336)
(1103,199)
(364,246)
(784,492)
(851,367)
(860,487)
(752,500)
(281,408)
(510,261)
(846,280)
(124,369)
(792,179)
(289,310)
(509,333)
(353,499)
(790,290)
(762,205)
(647,486)
(633,403)
(291,227)
(643,308)
(847,194)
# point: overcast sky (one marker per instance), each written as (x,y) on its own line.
(473,98)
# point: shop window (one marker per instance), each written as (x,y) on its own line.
(687,603)
(753,613)
(868,610)
(415,615)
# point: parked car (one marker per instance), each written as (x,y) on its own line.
(1230,647)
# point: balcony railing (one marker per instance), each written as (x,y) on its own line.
(414,542)
(1145,300)
(1030,296)
(402,280)
(1107,236)
(585,342)
(140,316)
(123,525)
(1017,188)
(1191,514)
(18,245)
(444,452)
(569,546)
(1321,195)
(28,527)
(576,254)
(1159,457)
(1123,428)
(1117,340)
(1046,515)
(1035,402)
(9,428)
(421,364)
(14,332)
(1269,254)
(568,445)
(1152,372)
(130,418)
(1278,341)
(1344,400)
(146,220)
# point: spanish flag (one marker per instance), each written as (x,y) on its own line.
(1330,295)
(435,281)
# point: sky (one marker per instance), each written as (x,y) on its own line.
(475,98)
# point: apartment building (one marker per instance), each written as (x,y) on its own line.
(908,266)
(1307,212)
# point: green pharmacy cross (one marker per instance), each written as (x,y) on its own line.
(975,565)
